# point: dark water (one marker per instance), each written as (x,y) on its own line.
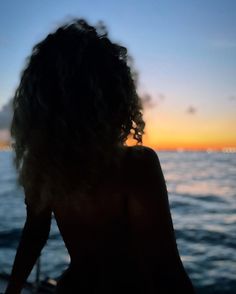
(202,193)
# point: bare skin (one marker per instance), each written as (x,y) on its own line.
(120,238)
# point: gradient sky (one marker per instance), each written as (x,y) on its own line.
(185,52)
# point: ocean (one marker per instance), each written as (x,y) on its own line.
(202,195)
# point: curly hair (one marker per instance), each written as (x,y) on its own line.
(76,101)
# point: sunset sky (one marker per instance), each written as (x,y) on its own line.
(184,51)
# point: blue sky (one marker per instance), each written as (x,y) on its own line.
(184,50)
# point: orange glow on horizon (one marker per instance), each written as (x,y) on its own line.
(171,130)
(182,145)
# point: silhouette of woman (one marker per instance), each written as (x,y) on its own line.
(74,109)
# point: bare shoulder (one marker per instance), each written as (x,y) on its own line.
(142,151)
(144,161)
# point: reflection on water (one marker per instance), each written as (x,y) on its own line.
(202,193)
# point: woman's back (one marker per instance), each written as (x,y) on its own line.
(95,230)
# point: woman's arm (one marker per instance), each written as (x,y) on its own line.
(153,238)
(34,236)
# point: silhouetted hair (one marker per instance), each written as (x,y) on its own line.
(76,102)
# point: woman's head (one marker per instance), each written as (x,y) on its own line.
(77,95)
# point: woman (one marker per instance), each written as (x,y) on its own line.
(74,109)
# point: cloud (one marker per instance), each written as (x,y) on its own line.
(6,116)
(150,101)
(147,100)
(191,110)
(4,135)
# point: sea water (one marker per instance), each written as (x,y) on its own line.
(202,196)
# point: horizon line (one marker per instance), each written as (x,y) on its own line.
(6,146)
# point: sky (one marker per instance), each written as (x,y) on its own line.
(184,51)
